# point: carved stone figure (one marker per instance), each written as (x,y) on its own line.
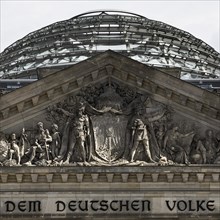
(160,135)
(172,146)
(4,146)
(211,146)
(27,151)
(79,134)
(14,149)
(198,151)
(56,141)
(42,140)
(139,135)
(24,143)
(82,132)
(217,160)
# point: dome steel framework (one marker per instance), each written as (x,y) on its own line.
(147,41)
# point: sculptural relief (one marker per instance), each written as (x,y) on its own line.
(198,151)
(211,146)
(173,147)
(14,149)
(56,141)
(217,160)
(110,125)
(140,135)
(109,135)
(4,147)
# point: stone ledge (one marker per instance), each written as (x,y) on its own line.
(115,216)
(147,174)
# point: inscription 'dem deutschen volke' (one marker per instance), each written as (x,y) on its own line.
(93,206)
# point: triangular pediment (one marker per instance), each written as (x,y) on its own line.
(28,102)
(122,104)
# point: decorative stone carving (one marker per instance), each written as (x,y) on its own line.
(56,141)
(217,160)
(14,149)
(174,145)
(110,125)
(211,146)
(198,151)
(140,135)
(4,147)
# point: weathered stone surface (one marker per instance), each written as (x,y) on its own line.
(140,163)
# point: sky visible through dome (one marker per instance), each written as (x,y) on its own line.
(200,18)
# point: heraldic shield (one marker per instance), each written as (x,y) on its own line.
(109,135)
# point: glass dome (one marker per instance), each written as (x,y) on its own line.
(150,42)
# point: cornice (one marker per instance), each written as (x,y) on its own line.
(75,174)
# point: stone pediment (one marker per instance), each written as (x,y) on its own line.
(26,102)
(116,89)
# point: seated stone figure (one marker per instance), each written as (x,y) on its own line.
(32,154)
(27,151)
(42,141)
(172,146)
(198,151)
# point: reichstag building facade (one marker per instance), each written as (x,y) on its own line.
(109,115)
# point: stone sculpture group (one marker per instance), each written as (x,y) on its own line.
(110,125)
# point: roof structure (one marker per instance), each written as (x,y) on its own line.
(70,41)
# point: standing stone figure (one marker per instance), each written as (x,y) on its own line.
(160,135)
(82,131)
(79,135)
(56,141)
(15,149)
(24,143)
(139,135)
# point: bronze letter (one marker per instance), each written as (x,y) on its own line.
(199,205)
(104,205)
(62,208)
(143,205)
(191,206)
(210,207)
(92,207)
(112,208)
(34,206)
(22,206)
(184,205)
(135,205)
(85,208)
(8,207)
(126,205)
(168,205)
(72,206)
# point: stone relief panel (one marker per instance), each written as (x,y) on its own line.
(111,125)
